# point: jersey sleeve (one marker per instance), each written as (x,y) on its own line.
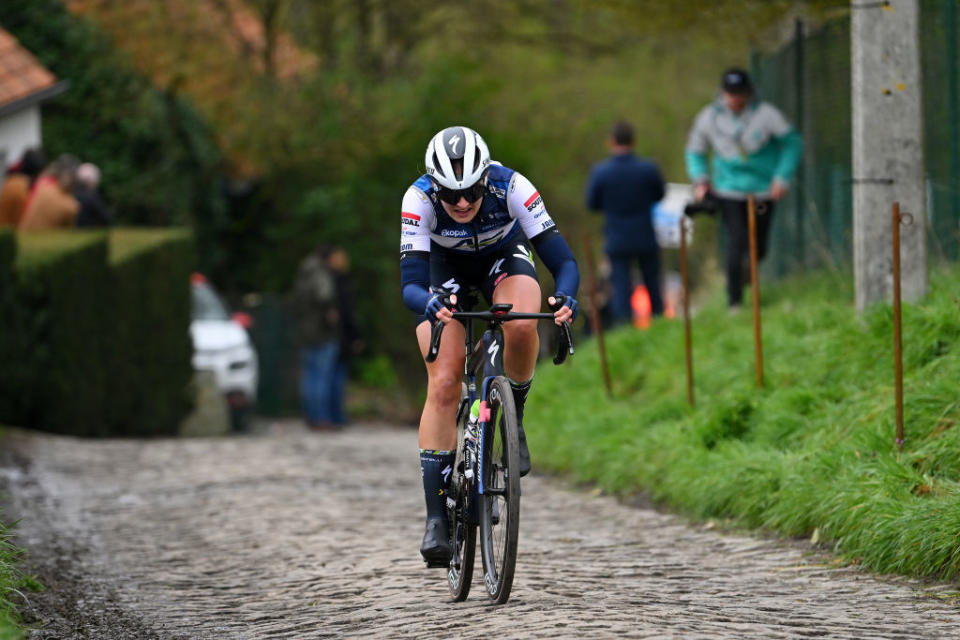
(526,206)
(416,220)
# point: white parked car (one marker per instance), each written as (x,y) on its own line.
(222,345)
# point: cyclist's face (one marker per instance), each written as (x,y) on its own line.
(463,211)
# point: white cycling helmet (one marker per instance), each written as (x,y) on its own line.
(457,143)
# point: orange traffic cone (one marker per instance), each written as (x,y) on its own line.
(642,309)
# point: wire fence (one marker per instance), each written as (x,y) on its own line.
(809,80)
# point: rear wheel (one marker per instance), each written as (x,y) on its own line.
(500,501)
(464,532)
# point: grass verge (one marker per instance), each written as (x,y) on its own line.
(810,454)
(11,582)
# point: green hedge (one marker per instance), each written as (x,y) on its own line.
(98,326)
(61,297)
(151,344)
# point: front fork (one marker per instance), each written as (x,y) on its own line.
(493,366)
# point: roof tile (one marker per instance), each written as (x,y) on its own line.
(20,73)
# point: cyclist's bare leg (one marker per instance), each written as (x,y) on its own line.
(438,437)
(438,421)
(521,338)
(522,343)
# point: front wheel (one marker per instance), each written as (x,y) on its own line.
(500,501)
(463,529)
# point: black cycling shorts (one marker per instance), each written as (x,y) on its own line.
(458,272)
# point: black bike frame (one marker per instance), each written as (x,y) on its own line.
(491,345)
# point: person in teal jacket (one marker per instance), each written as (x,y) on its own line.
(755,151)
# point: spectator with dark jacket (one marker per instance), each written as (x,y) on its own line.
(17,184)
(93,213)
(625,187)
(326,332)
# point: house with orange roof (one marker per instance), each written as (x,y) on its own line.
(24,85)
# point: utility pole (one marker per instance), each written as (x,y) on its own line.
(887,146)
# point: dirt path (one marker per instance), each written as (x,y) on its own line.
(300,535)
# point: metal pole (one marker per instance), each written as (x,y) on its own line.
(686,307)
(800,211)
(755,286)
(595,323)
(897,344)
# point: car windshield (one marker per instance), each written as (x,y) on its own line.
(206,304)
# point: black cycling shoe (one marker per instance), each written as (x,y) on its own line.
(524,451)
(436,548)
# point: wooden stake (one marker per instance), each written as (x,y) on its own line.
(755,284)
(595,322)
(897,342)
(686,307)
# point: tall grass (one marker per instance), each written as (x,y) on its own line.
(811,454)
(11,581)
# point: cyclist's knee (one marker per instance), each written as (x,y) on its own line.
(444,388)
(520,331)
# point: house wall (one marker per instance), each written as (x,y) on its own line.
(19,131)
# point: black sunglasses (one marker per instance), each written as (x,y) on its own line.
(452,196)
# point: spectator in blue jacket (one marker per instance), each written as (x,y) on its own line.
(755,151)
(625,187)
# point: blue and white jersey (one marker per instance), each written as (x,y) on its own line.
(511,205)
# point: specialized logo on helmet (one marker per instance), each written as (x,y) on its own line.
(453,143)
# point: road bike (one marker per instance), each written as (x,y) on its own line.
(485,482)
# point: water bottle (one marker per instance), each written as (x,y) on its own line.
(470,439)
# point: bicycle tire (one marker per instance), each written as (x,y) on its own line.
(464,533)
(501,478)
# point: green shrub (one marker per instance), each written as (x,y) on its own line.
(8,318)
(149,348)
(63,294)
(98,327)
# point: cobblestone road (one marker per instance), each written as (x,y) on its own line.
(299,535)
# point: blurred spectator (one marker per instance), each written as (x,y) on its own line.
(755,152)
(16,187)
(350,342)
(51,204)
(93,213)
(626,187)
(322,302)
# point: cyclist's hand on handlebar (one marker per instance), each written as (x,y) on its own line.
(563,306)
(439,308)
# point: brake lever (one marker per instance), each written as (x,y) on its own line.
(564,342)
(435,334)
